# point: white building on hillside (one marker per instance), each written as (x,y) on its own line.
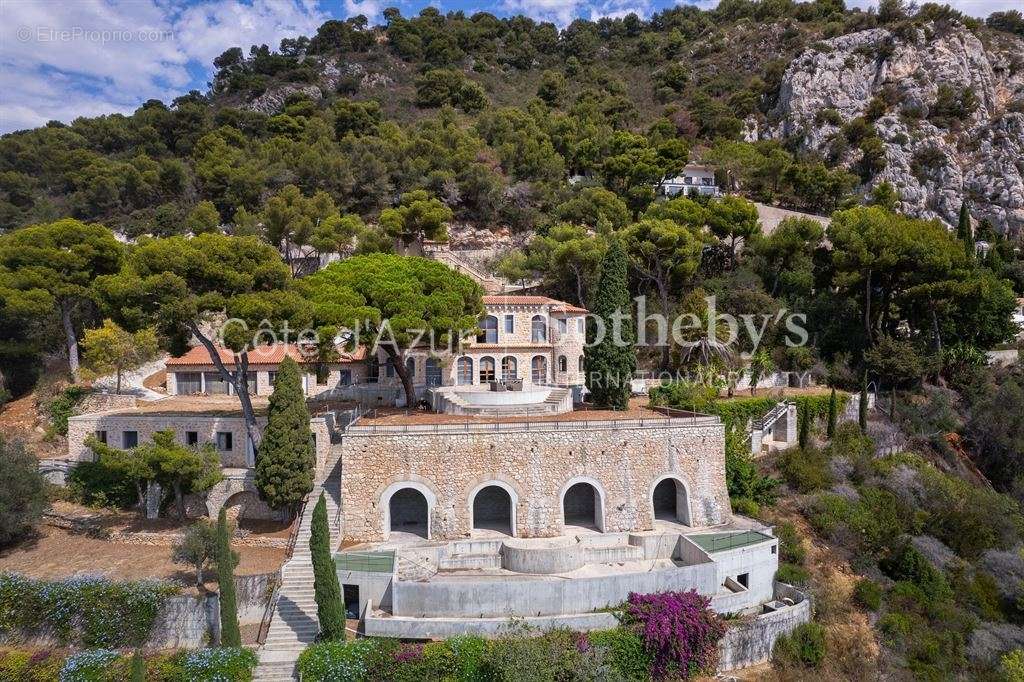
(695,179)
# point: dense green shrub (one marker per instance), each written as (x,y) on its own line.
(62,407)
(805,469)
(868,594)
(804,646)
(791,546)
(791,574)
(748,487)
(745,506)
(92,612)
(89,666)
(906,563)
(96,485)
(627,652)
(341,661)
(22,491)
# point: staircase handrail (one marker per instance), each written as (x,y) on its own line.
(772,415)
(268,612)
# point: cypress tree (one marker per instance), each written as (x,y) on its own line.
(138,670)
(862,406)
(610,366)
(284,467)
(833,414)
(963,230)
(226,562)
(330,609)
(804,422)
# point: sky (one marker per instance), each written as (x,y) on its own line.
(60,59)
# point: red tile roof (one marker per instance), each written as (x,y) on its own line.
(262,355)
(556,305)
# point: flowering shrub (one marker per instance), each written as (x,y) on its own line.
(88,666)
(90,611)
(679,631)
(218,665)
(337,661)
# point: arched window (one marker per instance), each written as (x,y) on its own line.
(464,371)
(434,372)
(488,330)
(539,329)
(410,367)
(563,363)
(372,369)
(581,365)
(487,372)
(509,368)
(539,369)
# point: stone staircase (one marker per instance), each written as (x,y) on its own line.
(294,624)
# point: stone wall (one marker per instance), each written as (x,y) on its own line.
(537,462)
(750,641)
(102,402)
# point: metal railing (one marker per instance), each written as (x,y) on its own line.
(268,614)
(516,426)
(772,416)
(366,562)
(718,543)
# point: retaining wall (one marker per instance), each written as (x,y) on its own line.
(749,642)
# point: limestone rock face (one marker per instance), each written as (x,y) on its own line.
(272,101)
(933,163)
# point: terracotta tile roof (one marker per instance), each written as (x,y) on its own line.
(556,305)
(263,355)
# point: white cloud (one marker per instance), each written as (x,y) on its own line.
(560,12)
(60,60)
(371,9)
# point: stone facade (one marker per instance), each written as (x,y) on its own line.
(535,463)
(338,375)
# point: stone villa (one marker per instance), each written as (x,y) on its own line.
(499,495)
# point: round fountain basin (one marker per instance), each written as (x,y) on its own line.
(532,396)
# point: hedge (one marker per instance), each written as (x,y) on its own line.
(104,665)
(737,412)
(86,611)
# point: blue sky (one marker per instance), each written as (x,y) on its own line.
(60,59)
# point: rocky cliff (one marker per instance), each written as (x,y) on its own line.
(947,108)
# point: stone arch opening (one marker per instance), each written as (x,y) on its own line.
(671,501)
(494,510)
(583,506)
(409,512)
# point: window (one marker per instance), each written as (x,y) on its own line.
(191,438)
(389,369)
(250,382)
(563,325)
(538,329)
(464,371)
(581,325)
(580,363)
(322,374)
(775,549)
(410,367)
(271,378)
(312,440)
(372,370)
(129,439)
(433,372)
(509,368)
(225,441)
(539,369)
(215,385)
(101,436)
(188,383)
(487,372)
(510,324)
(563,363)
(345,377)
(743,579)
(488,330)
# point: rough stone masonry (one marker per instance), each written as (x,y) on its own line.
(537,463)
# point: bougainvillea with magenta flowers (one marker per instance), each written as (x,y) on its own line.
(679,631)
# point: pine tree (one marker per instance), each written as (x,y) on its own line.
(285,463)
(963,230)
(804,422)
(330,609)
(833,414)
(226,562)
(862,407)
(610,365)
